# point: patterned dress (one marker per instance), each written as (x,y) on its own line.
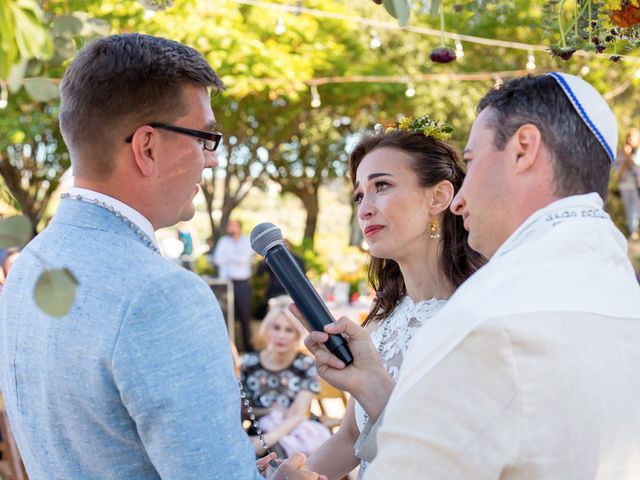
(266,388)
(392,338)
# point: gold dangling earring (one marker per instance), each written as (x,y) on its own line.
(434,229)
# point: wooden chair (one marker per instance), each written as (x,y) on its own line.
(11,466)
(331,405)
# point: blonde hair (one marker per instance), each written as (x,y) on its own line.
(278,306)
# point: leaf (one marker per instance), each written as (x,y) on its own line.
(7,197)
(67,26)
(14,231)
(32,39)
(55,291)
(16,74)
(65,48)
(41,89)
(99,27)
(399,9)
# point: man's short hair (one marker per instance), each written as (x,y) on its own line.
(580,163)
(118,83)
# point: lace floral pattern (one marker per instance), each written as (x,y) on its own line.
(266,388)
(392,338)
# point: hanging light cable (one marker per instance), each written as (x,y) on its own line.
(297,9)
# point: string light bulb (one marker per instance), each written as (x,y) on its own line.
(4,96)
(531,61)
(411,90)
(375,42)
(584,70)
(637,73)
(280,28)
(459,50)
(315,97)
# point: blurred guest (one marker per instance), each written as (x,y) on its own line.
(404,179)
(274,287)
(186,237)
(280,382)
(629,180)
(233,256)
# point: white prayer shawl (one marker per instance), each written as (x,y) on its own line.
(566,257)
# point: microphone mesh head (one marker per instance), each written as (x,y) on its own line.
(264,236)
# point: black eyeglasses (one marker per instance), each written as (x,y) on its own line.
(211,139)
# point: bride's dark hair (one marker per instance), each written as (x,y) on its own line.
(434,161)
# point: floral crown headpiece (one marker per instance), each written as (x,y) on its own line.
(424,124)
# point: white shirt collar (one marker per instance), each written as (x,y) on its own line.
(132,214)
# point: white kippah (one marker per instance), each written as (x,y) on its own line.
(593,109)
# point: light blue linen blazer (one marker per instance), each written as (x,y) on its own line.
(136,381)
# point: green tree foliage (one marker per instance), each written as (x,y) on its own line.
(22,35)
(270,130)
(310,157)
(266,74)
(33,157)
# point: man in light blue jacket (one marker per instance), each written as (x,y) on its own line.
(136,381)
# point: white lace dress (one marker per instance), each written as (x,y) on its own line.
(392,338)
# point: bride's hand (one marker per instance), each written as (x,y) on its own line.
(366,378)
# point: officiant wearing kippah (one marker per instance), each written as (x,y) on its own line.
(530,371)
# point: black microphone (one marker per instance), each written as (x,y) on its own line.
(266,240)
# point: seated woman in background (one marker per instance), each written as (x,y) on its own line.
(280,382)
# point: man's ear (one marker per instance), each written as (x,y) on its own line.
(527,145)
(144,145)
(441,196)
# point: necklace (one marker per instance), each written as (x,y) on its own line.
(143,236)
(252,418)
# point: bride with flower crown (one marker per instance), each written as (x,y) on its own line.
(404,179)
